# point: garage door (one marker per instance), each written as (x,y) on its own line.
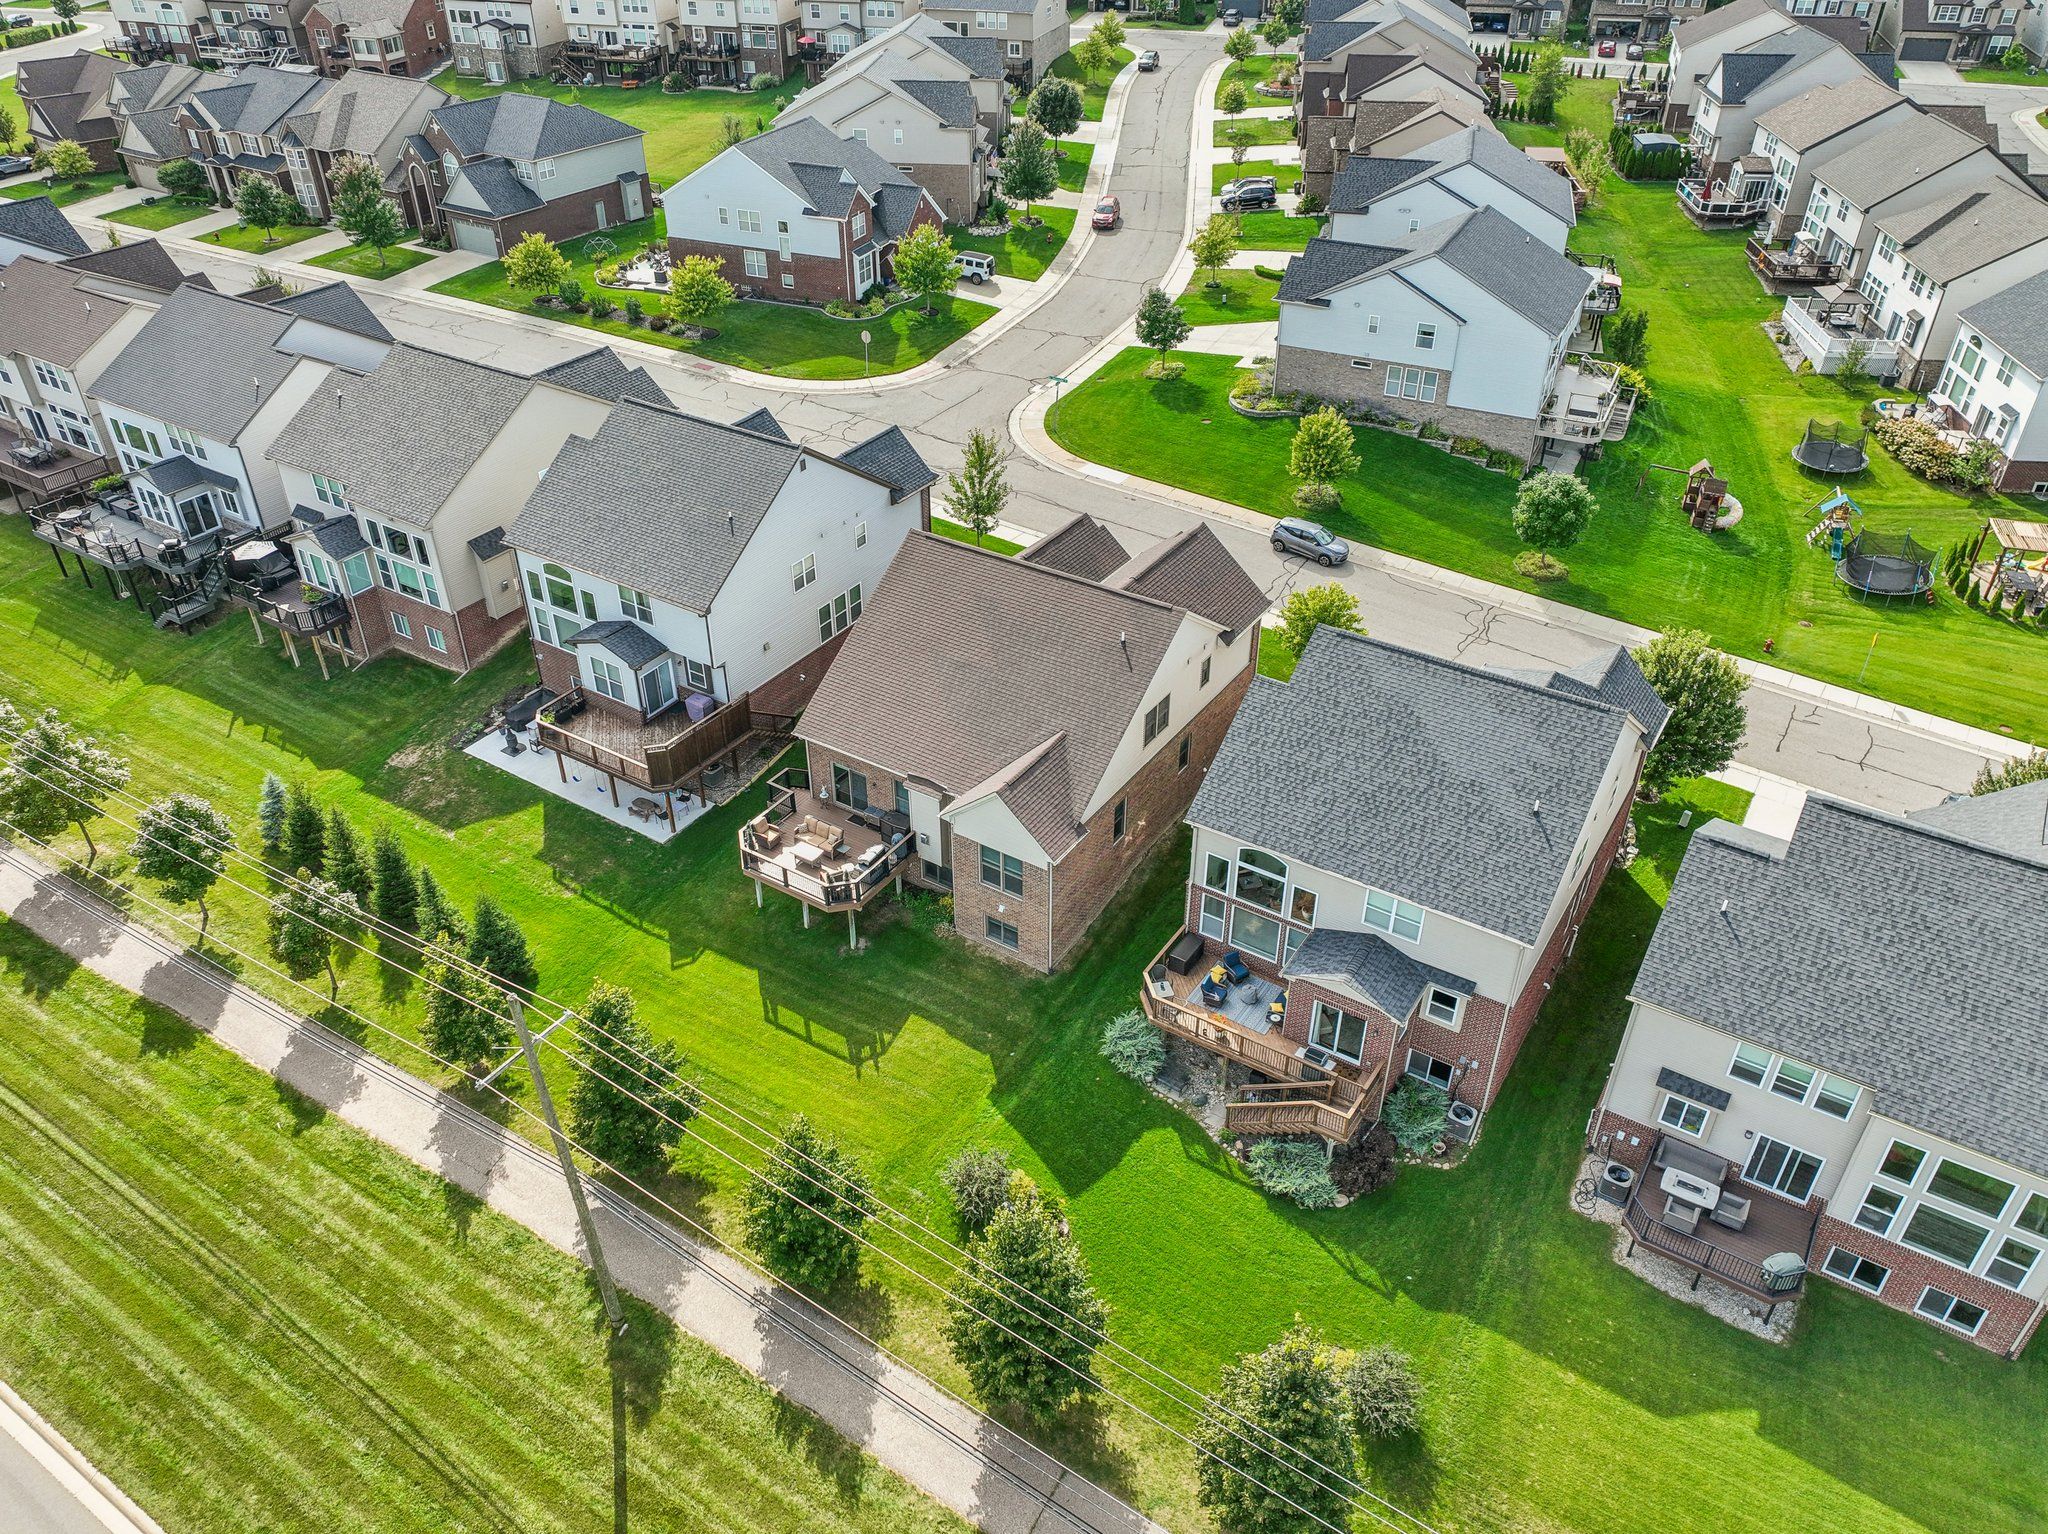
(476,237)
(1925,49)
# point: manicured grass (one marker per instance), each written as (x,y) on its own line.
(683,131)
(1563,1392)
(1277,230)
(1244,296)
(1022,251)
(1171,22)
(785,339)
(1258,67)
(1093,92)
(163,213)
(1287,176)
(319,1335)
(960,534)
(1075,159)
(363,262)
(65,193)
(254,241)
(1585,104)
(1994,75)
(1263,130)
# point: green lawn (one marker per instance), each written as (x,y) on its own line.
(1994,75)
(64,195)
(1204,14)
(1263,130)
(960,534)
(256,243)
(1245,296)
(160,213)
(1093,92)
(363,262)
(683,131)
(1075,159)
(1277,230)
(786,339)
(253,1317)
(1259,66)
(1022,251)
(1564,1393)
(1288,176)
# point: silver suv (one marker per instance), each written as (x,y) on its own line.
(1311,540)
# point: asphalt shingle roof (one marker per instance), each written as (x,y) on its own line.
(1608,676)
(889,457)
(204,361)
(1896,158)
(1482,146)
(364,111)
(1323,38)
(1845,946)
(1325,265)
(44,313)
(2016,318)
(490,188)
(1968,229)
(258,100)
(625,639)
(601,373)
(1417,776)
(950,101)
(1372,967)
(488,544)
(1192,569)
(1743,72)
(141,263)
(177,473)
(40,222)
(1365,179)
(336,304)
(1082,547)
(1815,116)
(2014,820)
(983,56)
(523,127)
(826,170)
(338,536)
(762,421)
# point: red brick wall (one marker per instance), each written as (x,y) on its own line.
(422,53)
(1636,1156)
(789,690)
(567,217)
(471,631)
(819,279)
(2019,478)
(2010,1318)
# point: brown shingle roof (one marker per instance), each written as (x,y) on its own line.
(1195,571)
(44,312)
(1084,547)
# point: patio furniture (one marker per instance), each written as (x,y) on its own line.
(644,808)
(1731,1213)
(1185,953)
(1213,994)
(1681,1216)
(807,854)
(767,833)
(1234,966)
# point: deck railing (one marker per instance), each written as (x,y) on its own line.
(1721,204)
(1704,1256)
(827,891)
(1334,1109)
(659,762)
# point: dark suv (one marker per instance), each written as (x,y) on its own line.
(1245,196)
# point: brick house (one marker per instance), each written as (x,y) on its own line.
(507,39)
(1020,732)
(1400,850)
(1032,33)
(398,475)
(497,169)
(798,213)
(236,128)
(67,98)
(1831,1054)
(720,578)
(390,37)
(367,114)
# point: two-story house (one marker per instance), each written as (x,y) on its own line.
(37,228)
(501,40)
(57,337)
(400,478)
(1021,732)
(391,37)
(1392,119)
(1378,199)
(1994,379)
(153,30)
(196,398)
(505,166)
(840,27)
(1746,82)
(1799,136)
(235,129)
(1464,324)
(1385,50)
(1904,165)
(1641,21)
(919,47)
(1398,850)
(145,99)
(1697,47)
(1032,33)
(1816,1074)
(1958,31)
(798,213)
(721,576)
(67,98)
(365,114)
(256,32)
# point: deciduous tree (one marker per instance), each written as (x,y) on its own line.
(536,265)
(924,266)
(182,844)
(1162,325)
(1110,29)
(1094,54)
(1703,689)
(55,777)
(629,1102)
(977,494)
(804,1211)
(1030,171)
(69,160)
(1022,1319)
(697,291)
(1991,777)
(1312,607)
(1241,45)
(1215,243)
(1232,99)
(1325,448)
(260,205)
(186,179)
(1551,512)
(1056,106)
(377,224)
(307,921)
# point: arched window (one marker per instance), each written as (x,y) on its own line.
(561,589)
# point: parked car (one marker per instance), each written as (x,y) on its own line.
(974,265)
(15,164)
(1230,18)
(1250,193)
(1605,48)
(1108,213)
(1635,50)
(20,20)
(1311,540)
(1148,61)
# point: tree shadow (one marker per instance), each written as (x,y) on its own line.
(1405,1468)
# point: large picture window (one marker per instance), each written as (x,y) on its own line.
(1947,1236)
(1255,933)
(1782,1168)
(1971,1188)
(1340,1032)
(1261,878)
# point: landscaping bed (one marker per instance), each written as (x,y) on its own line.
(1251,74)
(1022,251)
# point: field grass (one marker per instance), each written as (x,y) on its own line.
(1286,176)
(683,131)
(1244,296)
(362,262)
(1023,251)
(1263,130)
(1564,1394)
(253,1317)
(962,534)
(160,213)
(790,340)
(256,243)
(65,193)
(1258,67)
(1075,159)
(1276,230)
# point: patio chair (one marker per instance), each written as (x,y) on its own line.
(1235,967)
(1213,994)
(1731,1213)
(1680,1216)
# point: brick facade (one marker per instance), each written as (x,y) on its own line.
(1326,376)
(814,279)
(471,635)
(2019,477)
(955,188)
(567,217)
(2010,1318)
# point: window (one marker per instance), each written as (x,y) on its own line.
(401,625)
(1902,1162)
(187,443)
(756,263)
(698,675)
(1205,671)
(607,679)
(1793,1080)
(1944,1235)
(1854,1268)
(1750,1064)
(1255,933)
(635,604)
(1836,1097)
(860,535)
(849,787)
(1939,1304)
(436,641)
(1156,718)
(1216,872)
(1880,1207)
(142,441)
(750,220)
(1971,1188)
(1181,761)
(51,378)
(857,226)
(1342,1033)
(1001,933)
(1442,1006)
(1425,338)
(1001,871)
(1212,917)
(803,572)
(2034,1217)
(835,615)
(1396,917)
(1782,1168)
(1261,878)
(1412,383)
(1014,50)
(788,280)
(2011,1263)
(1683,1115)
(1118,821)
(1428,1068)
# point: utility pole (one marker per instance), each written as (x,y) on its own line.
(613,1312)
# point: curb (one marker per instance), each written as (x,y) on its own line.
(95,1495)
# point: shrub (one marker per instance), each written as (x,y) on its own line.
(602,308)
(1634,378)
(1317,498)
(1500,458)
(1921,450)
(2030,768)
(1469,447)
(979,1181)
(1294,1169)
(1270,273)
(636,312)
(1386,1400)
(1133,1045)
(1415,1115)
(1308,608)
(803,1212)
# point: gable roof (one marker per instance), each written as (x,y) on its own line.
(520,126)
(1325,265)
(358,14)
(1193,570)
(1418,776)
(1741,73)
(336,304)
(2013,820)
(203,361)
(950,101)
(46,314)
(1323,38)
(140,263)
(491,188)
(601,373)
(2016,318)
(1608,676)
(1691,33)
(1896,157)
(364,111)
(1815,116)
(40,222)
(1482,146)
(1082,547)
(144,87)
(826,170)
(624,638)
(257,99)
(889,457)
(983,56)
(1841,945)
(1968,229)
(1369,966)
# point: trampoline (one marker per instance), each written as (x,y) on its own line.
(1886,565)
(1830,450)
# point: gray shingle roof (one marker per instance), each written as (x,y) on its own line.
(258,100)
(1608,676)
(403,435)
(1325,265)
(40,222)
(1968,229)
(1192,569)
(1323,38)
(1365,179)
(982,55)
(490,188)
(519,126)
(1815,116)
(625,639)
(1481,145)
(336,304)
(141,263)
(44,313)
(1417,776)
(488,544)
(762,421)
(204,361)
(951,101)
(338,536)
(889,457)
(1743,72)
(1846,946)
(1895,158)
(2013,820)
(155,134)
(177,474)
(681,498)
(825,170)
(364,111)
(601,373)
(1082,547)
(1370,966)
(2016,318)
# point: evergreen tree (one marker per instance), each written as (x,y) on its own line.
(437,916)
(1294,1392)
(629,1103)
(1004,1316)
(805,1210)
(271,807)
(347,867)
(394,891)
(304,844)
(1627,337)
(468,1021)
(55,777)
(182,844)
(976,496)
(497,945)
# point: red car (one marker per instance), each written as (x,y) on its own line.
(1108,213)
(1606,48)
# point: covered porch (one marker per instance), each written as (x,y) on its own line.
(826,855)
(1690,1206)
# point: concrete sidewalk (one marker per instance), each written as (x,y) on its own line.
(947,1449)
(48,1487)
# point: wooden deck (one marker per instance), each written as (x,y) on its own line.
(1730,1257)
(40,484)
(864,858)
(662,754)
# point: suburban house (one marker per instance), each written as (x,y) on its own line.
(505,166)
(798,212)
(710,597)
(1697,47)
(1392,857)
(36,227)
(920,48)
(151,30)
(1958,31)
(56,339)
(196,398)
(145,99)
(1032,33)
(832,29)
(236,128)
(1378,199)
(1389,128)
(366,114)
(1464,324)
(1496,20)
(1640,21)
(260,33)
(390,37)
(1777,1096)
(67,98)
(1744,83)
(1390,51)
(1016,731)
(501,40)
(1799,136)
(1993,381)
(400,477)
